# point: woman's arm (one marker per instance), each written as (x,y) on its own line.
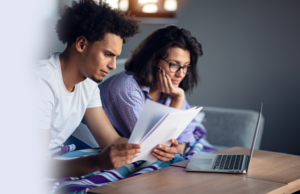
(130,101)
(165,85)
(187,136)
(177,96)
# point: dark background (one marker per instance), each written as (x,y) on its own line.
(251,54)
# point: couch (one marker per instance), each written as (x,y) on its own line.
(225,127)
(232,127)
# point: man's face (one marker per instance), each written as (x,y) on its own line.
(99,58)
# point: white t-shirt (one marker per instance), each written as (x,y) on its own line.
(59,110)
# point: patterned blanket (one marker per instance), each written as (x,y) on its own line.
(80,185)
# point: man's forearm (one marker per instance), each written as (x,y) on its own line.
(73,168)
(120,140)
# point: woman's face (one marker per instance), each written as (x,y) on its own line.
(178,56)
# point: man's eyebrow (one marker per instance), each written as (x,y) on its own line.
(110,52)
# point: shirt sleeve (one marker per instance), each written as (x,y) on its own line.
(187,136)
(45,103)
(95,99)
(130,103)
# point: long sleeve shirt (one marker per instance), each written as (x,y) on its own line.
(123,100)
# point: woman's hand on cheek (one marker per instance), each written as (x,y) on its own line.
(165,153)
(165,85)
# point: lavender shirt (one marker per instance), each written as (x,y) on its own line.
(123,101)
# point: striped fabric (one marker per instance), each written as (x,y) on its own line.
(80,185)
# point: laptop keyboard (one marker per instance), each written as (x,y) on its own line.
(228,162)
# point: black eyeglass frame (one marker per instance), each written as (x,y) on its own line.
(181,67)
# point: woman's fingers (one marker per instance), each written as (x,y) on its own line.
(174,143)
(159,79)
(161,158)
(170,85)
(165,153)
(164,82)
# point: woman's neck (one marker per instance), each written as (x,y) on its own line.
(155,93)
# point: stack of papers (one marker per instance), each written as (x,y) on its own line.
(158,124)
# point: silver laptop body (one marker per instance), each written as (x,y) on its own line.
(228,163)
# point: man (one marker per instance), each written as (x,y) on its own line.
(94,35)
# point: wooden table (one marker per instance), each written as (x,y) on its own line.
(269,172)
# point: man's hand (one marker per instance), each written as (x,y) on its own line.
(165,153)
(117,155)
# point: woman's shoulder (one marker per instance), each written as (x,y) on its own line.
(122,80)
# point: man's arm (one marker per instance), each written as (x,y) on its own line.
(66,168)
(101,128)
(105,134)
(116,152)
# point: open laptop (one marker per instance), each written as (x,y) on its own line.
(227,163)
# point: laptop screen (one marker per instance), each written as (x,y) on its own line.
(255,134)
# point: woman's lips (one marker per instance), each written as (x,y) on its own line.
(175,82)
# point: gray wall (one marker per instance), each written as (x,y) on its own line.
(251,54)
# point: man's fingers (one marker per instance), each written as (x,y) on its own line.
(126,146)
(124,152)
(122,159)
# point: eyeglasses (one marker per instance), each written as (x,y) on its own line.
(174,68)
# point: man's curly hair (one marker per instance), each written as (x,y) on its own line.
(94,21)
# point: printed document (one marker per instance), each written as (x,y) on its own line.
(158,124)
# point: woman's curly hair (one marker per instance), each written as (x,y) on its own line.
(146,56)
(94,21)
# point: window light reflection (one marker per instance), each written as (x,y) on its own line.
(113,3)
(123,5)
(150,8)
(143,2)
(170,5)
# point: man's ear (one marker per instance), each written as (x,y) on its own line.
(81,43)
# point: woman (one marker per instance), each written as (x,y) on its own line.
(162,68)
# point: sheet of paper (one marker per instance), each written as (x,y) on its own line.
(170,128)
(151,114)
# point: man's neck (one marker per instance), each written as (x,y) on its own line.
(69,68)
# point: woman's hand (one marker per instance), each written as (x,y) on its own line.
(165,153)
(180,148)
(165,85)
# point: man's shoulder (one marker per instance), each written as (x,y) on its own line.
(47,68)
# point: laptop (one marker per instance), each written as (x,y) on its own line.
(226,163)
